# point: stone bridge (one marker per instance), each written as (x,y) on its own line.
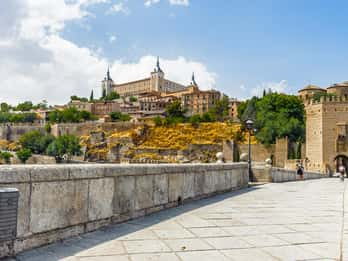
(278,221)
(295,220)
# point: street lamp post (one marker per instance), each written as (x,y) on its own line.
(249,125)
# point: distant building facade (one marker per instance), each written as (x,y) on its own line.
(155,93)
(155,83)
(233,108)
(99,108)
(197,101)
(326,126)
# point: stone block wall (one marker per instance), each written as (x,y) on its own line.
(284,175)
(60,201)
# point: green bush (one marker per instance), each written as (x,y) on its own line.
(133,99)
(118,116)
(195,120)
(111,96)
(24,155)
(64,145)
(36,141)
(6,156)
(48,128)
(70,115)
(158,121)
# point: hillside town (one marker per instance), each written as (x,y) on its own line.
(158,120)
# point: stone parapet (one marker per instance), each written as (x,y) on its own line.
(60,201)
(285,175)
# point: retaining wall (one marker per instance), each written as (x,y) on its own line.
(60,201)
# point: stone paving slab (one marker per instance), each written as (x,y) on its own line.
(284,221)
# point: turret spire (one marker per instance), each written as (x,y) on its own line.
(108,74)
(193,79)
(158,65)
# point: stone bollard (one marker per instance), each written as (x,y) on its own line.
(220,157)
(243,157)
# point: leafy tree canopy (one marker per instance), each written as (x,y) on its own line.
(36,141)
(220,109)
(5,107)
(133,99)
(275,116)
(17,117)
(64,145)
(24,155)
(118,116)
(25,106)
(6,156)
(175,110)
(77,98)
(111,96)
(70,115)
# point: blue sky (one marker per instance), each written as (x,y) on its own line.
(245,42)
(244,46)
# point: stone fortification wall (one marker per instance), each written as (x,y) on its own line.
(65,200)
(81,129)
(12,132)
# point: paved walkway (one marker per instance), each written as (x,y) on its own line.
(288,221)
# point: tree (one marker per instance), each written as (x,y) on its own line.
(91,97)
(25,106)
(24,155)
(70,115)
(133,99)
(111,96)
(157,120)
(77,98)
(5,107)
(48,128)
(175,110)
(64,145)
(275,116)
(195,120)
(220,109)
(118,116)
(42,105)
(36,141)
(6,156)
(207,117)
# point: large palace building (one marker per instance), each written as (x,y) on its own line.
(326,126)
(155,83)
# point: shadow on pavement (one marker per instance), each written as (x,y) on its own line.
(72,246)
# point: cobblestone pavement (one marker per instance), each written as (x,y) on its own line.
(287,221)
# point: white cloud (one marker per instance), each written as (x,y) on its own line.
(279,87)
(179,2)
(112,38)
(119,8)
(37,63)
(149,3)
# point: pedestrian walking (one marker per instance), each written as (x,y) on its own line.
(299,169)
(342,171)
